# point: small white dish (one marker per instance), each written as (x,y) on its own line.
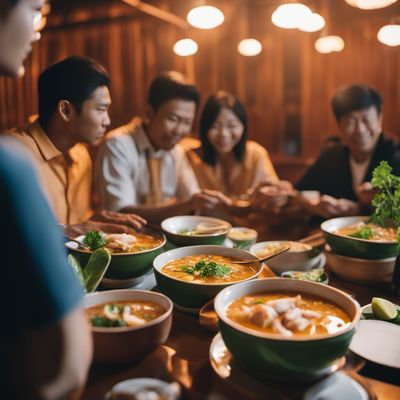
(139,386)
(337,386)
(377,341)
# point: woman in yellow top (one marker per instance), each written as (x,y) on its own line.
(227,161)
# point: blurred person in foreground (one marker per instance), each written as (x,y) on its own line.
(73,112)
(45,342)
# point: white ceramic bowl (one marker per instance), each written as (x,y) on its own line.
(302,258)
(360,270)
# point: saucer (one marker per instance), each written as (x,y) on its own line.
(377,341)
(225,367)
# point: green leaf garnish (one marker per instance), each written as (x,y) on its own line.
(94,240)
(204,269)
(364,233)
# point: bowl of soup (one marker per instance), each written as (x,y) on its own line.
(242,237)
(127,324)
(191,276)
(299,257)
(286,329)
(131,255)
(191,230)
(357,237)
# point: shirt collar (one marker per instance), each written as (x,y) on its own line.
(43,142)
(143,142)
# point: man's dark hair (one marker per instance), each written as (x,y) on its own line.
(355,97)
(212,108)
(73,79)
(171,85)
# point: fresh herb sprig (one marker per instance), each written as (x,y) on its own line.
(207,269)
(94,240)
(386,202)
(364,233)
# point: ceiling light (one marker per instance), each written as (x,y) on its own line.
(205,17)
(312,23)
(329,44)
(389,35)
(185,47)
(370,4)
(249,47)
(289,16)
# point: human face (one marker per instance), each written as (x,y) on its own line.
(91,123)
(360,131)
(172,121)
(226,132)
(17,34)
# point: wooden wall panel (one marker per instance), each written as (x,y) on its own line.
(286,89)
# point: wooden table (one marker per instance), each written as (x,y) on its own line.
(185,358)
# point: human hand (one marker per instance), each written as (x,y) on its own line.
(207,200)
(271,196)
(365,193)
(125,219)
(329,207)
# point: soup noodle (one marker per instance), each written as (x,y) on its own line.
(288,314)
(204,268)
(124,313)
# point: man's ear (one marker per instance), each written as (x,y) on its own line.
(149,113)
(65,108)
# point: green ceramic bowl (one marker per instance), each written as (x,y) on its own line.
(129,344)
(124,266)
(175,226)
(354,247)
(190,295)
(278,357)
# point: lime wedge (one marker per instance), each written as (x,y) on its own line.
(383,309)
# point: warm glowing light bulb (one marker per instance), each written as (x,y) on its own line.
(389,35)
(290,15)
(185,47)
(312,23)
(329,44)
(249,47)
(205,17)
(370,4)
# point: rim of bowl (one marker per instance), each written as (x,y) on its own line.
(218,233)
(324,282)
(361,218)
(277,336)
(117,329)
(164,240)
(243,229)
(329,250)
(204,283)
(271,242)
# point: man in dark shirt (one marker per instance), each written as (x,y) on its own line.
(342,173)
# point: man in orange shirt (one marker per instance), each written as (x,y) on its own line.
(73,111)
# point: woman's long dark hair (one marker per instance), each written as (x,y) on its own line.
(215,103)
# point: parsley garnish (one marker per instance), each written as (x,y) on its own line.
(364,233)
(94,240)
(204,269)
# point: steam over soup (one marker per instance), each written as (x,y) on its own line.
(288,314)
(124,313)
(204,268)
(368,231)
